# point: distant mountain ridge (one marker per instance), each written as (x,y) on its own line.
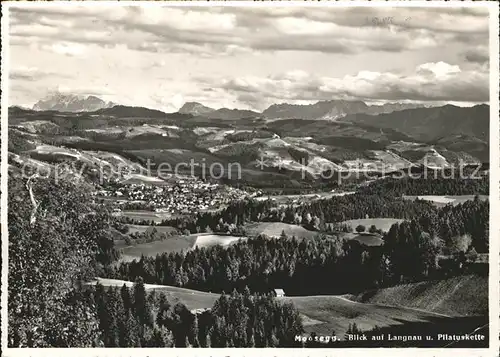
(72,103)
(198,109)
(327,110)
(123,111)
(427,124)
(331,109)
(195,108)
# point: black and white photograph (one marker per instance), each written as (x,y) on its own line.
(250,175)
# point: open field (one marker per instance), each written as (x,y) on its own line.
(139,179)
(171,244)
(336,313)
(381,223)
(444,200)
(366,239)
(157,217)
(209,240)
(134,228)
(176,244)
(459,303)
(458,296)
(309,196)
(193,299)
(274,229)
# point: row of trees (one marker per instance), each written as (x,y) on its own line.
(439,185)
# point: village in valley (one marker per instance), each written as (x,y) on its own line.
(186,196)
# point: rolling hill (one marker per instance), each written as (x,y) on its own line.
(295,151)
(427,124)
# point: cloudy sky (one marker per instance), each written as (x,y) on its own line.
(248,57)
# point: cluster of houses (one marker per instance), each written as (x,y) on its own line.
(185,196)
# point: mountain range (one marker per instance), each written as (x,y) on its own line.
(331,109)
(72,103)
(327,110)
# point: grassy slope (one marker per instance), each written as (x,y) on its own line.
(274,229)
(337,313)
(175,244)
(440,201)
(457,296)
(381,223)
(363,239)
(171,244)
(193,299)
(133,228)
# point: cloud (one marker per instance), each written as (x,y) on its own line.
(429,82)
(438,70)
(229,30)
(479,55)
(68,49)
(97,91)
(24,73)
(225,55)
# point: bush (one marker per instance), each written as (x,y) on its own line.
(360,228)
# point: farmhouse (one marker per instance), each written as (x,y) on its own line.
(200,311)
(279,292)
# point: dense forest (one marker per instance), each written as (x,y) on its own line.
(431,186)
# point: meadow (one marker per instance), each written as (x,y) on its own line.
(440,201)
(274,229)
(176,244)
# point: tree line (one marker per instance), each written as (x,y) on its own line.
(431,186)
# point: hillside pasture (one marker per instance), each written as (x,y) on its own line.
(456,304)
(209,240)
(457,296)
(139,215)
(137,228)
(366,239)
(336,313)
(152,249)
(176,244)
(193,299)
(381,223)
(440,201)
(274,229)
